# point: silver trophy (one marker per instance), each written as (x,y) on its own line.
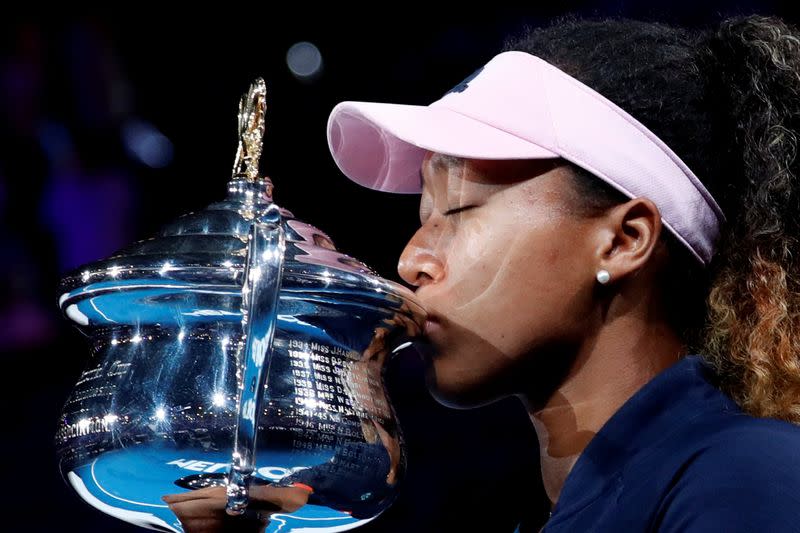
(236,348)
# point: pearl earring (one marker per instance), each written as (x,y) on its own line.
(603,276)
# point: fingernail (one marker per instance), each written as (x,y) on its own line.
(303,486)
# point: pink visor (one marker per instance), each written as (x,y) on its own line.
(518,106)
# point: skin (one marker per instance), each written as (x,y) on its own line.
(203,510)
(505,263)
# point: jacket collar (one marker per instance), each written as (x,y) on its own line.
(661,407)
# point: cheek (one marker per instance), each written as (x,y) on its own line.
(474,242)
(475,258)
(522,276)
(552,289)
(542,238)
(512,253)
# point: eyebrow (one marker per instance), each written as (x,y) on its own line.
(441,162)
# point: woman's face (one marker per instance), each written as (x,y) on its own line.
(505,268)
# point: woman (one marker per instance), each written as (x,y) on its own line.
(625,264)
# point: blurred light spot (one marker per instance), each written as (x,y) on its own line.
(161,414)
(271,254)
(181,335)
(146,144)
(304,60)
(136,338)
(219,399)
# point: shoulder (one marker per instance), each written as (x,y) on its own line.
(744,476)
(742,436)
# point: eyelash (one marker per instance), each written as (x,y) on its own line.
(457,210)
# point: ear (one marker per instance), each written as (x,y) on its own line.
(629,236)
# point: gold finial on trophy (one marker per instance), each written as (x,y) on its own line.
(252,112)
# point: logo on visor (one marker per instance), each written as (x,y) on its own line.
(461,87)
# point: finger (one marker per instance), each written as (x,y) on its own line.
(207,492)
(272,499)
(202,508)
(200,517)
(201,525)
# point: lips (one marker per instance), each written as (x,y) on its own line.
(432,325)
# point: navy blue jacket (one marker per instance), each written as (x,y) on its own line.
(680,455)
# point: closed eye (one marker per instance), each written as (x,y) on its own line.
(455,210)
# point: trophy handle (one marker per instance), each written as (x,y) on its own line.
(260,297)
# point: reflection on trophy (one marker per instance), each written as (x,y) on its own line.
(236,349)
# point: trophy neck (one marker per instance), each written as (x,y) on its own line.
(252,193)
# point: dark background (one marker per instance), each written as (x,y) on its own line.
(113,125)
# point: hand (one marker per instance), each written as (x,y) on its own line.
(203,510)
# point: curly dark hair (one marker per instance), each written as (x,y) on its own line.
(727,101)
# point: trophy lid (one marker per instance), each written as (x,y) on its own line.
(200,258)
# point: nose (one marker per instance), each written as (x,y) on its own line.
(418,264)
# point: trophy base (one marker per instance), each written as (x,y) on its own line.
(127,484)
